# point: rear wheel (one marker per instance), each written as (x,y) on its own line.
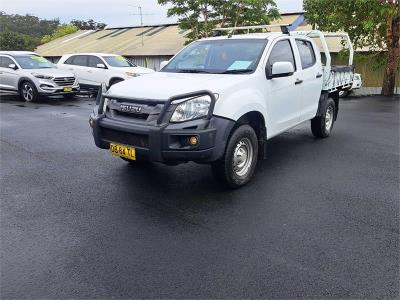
(321,126)
(238,164)
(28,92)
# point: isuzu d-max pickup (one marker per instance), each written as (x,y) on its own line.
(220,99)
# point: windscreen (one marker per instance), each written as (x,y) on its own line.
(227,56)
(33,62)
(118,61)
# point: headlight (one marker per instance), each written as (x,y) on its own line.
(106,100)
(130,74)
(41,76)
(191,109)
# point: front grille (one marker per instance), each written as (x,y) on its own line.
(64,81)
(126,138)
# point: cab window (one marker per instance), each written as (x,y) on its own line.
(94,61)
(282,52)
(307,54)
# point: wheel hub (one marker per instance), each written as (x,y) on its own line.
(242,157)
(27,92)
(329,118)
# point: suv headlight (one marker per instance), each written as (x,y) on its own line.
(190,109)
(41,76)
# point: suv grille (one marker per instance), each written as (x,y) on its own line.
(64,81)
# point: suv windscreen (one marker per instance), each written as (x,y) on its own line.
(118,61)
(218,57)
(33,62)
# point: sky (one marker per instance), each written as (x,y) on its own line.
(111,12)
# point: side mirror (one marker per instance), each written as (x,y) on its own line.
(281,69)
(163,64)
(13,66)
(101,66)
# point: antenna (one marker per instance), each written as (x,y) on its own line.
(141,14)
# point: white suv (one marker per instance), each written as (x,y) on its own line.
(31,75)
(93,69)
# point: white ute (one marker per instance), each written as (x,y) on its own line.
(220,99)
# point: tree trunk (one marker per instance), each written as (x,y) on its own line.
(392,65)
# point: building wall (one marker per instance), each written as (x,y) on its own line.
(151,62)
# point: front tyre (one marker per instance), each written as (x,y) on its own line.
(28,92)
(321,126)
(239,162)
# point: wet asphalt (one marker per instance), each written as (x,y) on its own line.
(320,219)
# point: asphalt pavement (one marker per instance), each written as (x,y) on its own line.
(320,219)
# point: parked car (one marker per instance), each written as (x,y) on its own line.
(93,69)
(220,99)
(357,84)
(31,75)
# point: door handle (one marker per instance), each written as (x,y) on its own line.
(90,71)
(71,69)
(319,75)
(298,81)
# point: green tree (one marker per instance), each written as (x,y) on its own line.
(60,31)
(372,23)
(14,41)
(200,17)
(88,25)
(29,25)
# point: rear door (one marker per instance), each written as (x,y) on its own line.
(311,75)
(79,64)
(96,75)
(8,77)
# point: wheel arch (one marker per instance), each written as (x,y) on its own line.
(24,79)
(113,78)
(256,120)
(324,98)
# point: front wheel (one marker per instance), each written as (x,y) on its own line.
(239,162)
(28,92)
(321,126)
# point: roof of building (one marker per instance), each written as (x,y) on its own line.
(157,40)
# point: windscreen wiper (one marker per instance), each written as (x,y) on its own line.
(191,71)
(240,71)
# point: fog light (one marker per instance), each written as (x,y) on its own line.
(194,140)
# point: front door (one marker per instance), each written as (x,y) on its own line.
(282,94)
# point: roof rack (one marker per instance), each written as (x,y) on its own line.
(284,28)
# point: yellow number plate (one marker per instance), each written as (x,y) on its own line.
(123,151)
(68,89)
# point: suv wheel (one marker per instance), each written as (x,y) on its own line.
(238,164)
(321,126)
(28,91)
